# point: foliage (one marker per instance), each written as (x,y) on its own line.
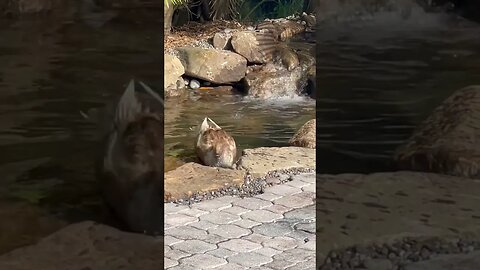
(261,9)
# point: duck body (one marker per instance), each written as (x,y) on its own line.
(131,167)
(215,147)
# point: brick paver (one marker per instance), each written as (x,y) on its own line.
(273,230)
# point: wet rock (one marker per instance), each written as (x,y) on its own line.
(212,65)
(272,81)
(193,177)
(447,141)
(221,41)
(306,135)
(259,161)
(246,44)
(173,73)
(85,245)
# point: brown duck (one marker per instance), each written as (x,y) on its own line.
(131,168)
(215,147)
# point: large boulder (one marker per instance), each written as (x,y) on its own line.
(212,65)
(287,76)
(173,71)
(246,43)
(449,140)
(88,245)
(306,135)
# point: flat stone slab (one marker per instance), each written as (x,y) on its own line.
(259,161)
(469,261)
(193,177)
(396,205)
(245,233)
(88,245)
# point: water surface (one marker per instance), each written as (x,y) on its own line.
(380,75)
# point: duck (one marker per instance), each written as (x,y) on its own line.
(214,146)
(130,167)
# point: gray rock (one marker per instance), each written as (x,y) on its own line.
(221,41)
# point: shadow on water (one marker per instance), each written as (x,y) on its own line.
(382,74)
(50,70)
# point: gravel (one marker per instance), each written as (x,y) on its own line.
(252,186)
(396,255)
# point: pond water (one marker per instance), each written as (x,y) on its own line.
(379,76)
(252,122)
(50,70)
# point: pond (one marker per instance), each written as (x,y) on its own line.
(252,122)
(379,76)
(50,70)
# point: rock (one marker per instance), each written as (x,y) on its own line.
(194,84)
(171,163)
(172,74)
(87,245)
(213,65)
(378,264)
(281,28)
(446,262)
(221,41)
(193,177)
(306,135)
(448,141)
(309,19)
(259,161)
(397,205)
(288,57)
(246,44)
(270,81)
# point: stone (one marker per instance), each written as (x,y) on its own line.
(396,205)
(240,245)
(220,218)
(262,216)
(194,246)
(173,71)
(246,44)
(194,84)
(229,231)
(203,261)
(281,243)
(221,41)
(212,65)
(306,135)
(179,219)
(299,200)
(85,245)
(447,141)
(252,203)
(274,81)
(259,161)
(193,177)
(250,259)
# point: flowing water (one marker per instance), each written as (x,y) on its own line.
(252,122)
(50,70)
(380,75)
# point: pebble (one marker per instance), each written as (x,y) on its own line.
(194,84)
